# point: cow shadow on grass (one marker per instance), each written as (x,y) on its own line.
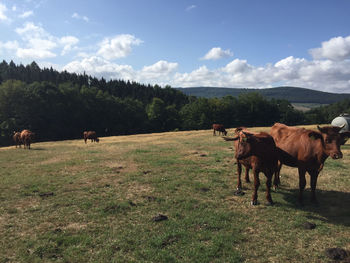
(37,149)
(333,206)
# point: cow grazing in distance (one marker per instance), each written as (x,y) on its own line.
(307,150)
(17,139)
(219,128)
(90,135)
(260,153)
(27,137)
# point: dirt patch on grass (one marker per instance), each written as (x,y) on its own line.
(28,203)
(75,226)
(137,191)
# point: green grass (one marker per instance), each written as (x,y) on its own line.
(71,202)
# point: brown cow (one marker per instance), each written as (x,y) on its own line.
(91,135)
(244,162)
(260,153)
(17,139)
(26,137)
(307,150)
(220,128)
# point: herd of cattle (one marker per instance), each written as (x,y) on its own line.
(26,137)
(266,152)
(296,147)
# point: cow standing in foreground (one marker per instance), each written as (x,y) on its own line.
(260,151)
(245,162)
(220,128)
(307,150)
(17,139)
(90,135)
(27,137)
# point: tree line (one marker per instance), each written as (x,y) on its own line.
(61,105)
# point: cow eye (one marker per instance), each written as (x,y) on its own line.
(328,140)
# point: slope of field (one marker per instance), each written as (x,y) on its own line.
(292,94)
(71,202)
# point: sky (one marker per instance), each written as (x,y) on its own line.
(185,43)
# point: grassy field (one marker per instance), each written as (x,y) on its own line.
(70,202)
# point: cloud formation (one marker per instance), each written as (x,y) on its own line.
(26,14)
(217,53)
(328,69)
(80,17)
(337,48)
(118,47)
(39,44)
(3,10)
(189,8)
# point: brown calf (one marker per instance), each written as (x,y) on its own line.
(260,154)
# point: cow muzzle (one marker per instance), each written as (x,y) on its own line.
(337,155)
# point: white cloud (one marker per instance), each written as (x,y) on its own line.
(199,77)
(189,8)
(237,66)
(217,53)
(30,30)
(39,44)
(337,48)
(32,53)
(3,10)
(160,68)
(26,14)
(68,42)
(9,45)
(80,17)
(118,47)
(100,67)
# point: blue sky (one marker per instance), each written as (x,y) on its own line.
(184,43)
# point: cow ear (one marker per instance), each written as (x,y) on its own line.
(315,135)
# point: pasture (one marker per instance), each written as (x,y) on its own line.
(98,202)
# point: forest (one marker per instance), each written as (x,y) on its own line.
(61,105)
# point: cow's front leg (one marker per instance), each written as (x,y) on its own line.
(313,182)
(302,183)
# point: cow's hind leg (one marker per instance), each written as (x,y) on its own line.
(256,187)
(276,179)
(268,188)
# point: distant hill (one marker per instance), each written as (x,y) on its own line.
(292,94)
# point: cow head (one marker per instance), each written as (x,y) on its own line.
(243,142)
(332,140)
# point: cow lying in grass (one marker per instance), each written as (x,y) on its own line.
(258,150)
